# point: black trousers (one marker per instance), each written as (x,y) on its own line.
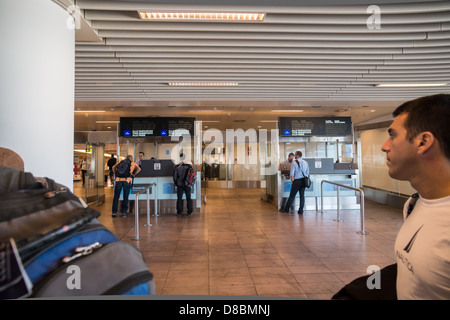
(187,192)
(297,186)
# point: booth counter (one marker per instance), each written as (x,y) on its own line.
(161,173)
(319,169)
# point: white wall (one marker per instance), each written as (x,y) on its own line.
(37,86)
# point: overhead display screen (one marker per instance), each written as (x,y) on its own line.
(143,127)
(315,126)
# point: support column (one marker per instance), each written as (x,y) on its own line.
(37,86)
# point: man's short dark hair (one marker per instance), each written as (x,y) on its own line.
(290,154)
(299,153)
(430,113)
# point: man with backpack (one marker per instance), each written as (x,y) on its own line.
(124,170)
(183,178)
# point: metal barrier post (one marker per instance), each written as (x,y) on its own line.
(136,205)
(361,203)
(361,210)
(338,218)
(156,201)
(148,224)
(321,196)
(136,214)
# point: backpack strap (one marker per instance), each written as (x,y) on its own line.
(300,168)
(412,203)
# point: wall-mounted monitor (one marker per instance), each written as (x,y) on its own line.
(144,127)
(315,126)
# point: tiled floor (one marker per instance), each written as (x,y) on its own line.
(242,246)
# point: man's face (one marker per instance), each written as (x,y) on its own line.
(141,156)
(400,152)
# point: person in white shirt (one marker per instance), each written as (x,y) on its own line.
(418,150)
(299,171)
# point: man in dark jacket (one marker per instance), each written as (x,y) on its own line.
(179,177)
(111,162)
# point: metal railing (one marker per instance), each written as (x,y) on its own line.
(136,208)
(361,202)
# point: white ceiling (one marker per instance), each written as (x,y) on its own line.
(300,56)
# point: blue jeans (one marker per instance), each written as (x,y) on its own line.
(126,192)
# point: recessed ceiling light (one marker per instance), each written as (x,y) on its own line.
(409,85)
(293,110)
(90,111)
(204,84)
(200,16)
(203,110)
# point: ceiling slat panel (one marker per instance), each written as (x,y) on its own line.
(321,54)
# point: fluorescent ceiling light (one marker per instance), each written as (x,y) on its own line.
(207,110)
(200,16)
(294,110)
(89,111)
(268,121)
(107,121)
(409,85)
(204,84)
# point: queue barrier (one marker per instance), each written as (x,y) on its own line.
(136,208)
(361,202)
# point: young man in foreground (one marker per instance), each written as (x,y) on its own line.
(418,150)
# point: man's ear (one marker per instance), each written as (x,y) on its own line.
(424,142)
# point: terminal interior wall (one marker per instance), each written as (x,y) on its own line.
(374,170)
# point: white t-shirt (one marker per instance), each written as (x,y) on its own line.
(422,249)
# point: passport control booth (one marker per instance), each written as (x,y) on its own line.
(162,139)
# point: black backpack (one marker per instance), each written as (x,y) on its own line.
(123,171)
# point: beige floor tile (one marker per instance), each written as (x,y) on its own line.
(241,246)
(237,290)
(281,290)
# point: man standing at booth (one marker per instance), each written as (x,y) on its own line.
(299,171)
(179,177)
